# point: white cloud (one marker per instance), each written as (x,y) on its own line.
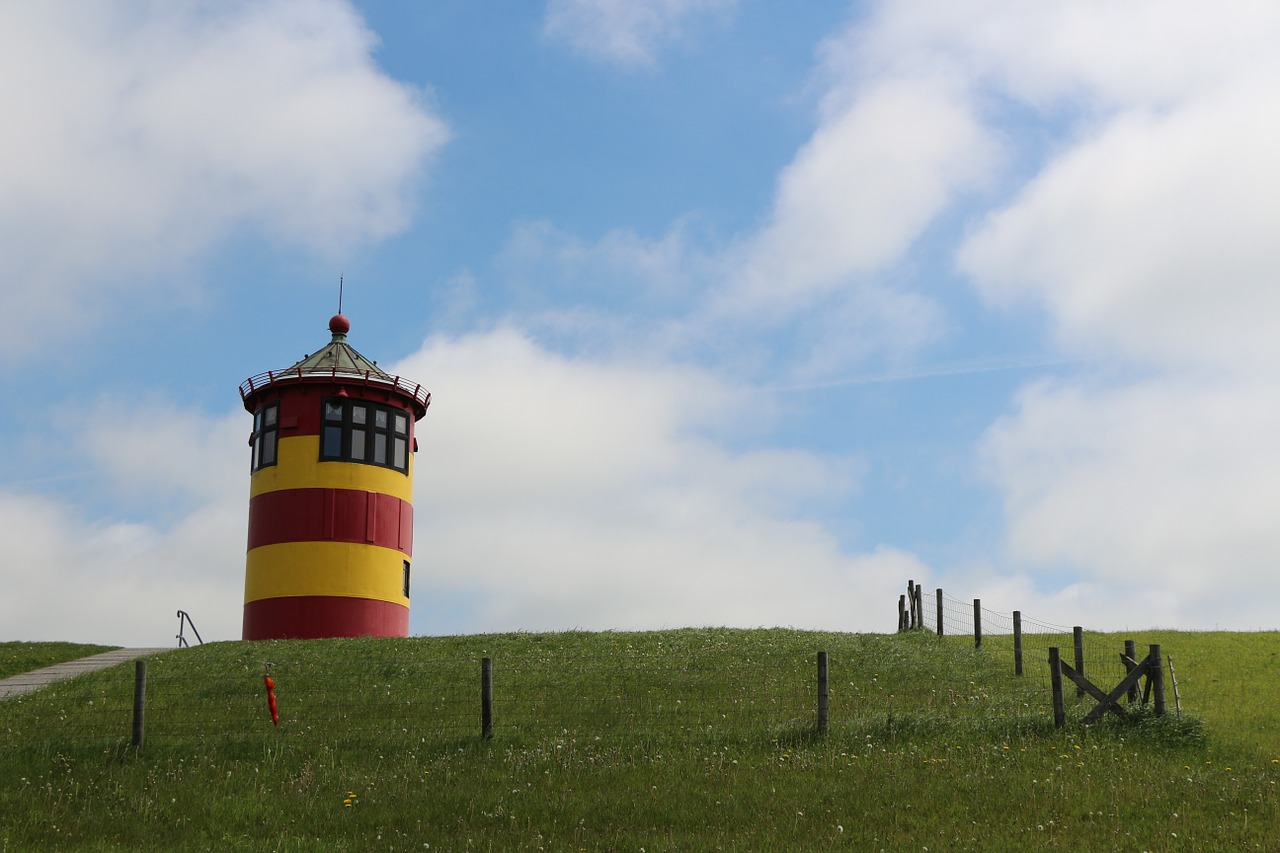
(138,137)
(627,32)
(555,493)
(1162,489)
(1152,239)
(1092,55)
(1144,233)
(76,579)
(83,575)
(873,176)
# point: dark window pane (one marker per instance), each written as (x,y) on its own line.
(257,420)
(379,449)
(359,414)
(332,411)
(406,578)
(332,446)
(257,442)
(270,416)
(397,457)
(402,424)
(268,441)
(380,418)
(357,444)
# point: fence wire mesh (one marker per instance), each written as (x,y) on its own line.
(1099,656)
(717,684)
(346,701)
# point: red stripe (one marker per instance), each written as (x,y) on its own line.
(331,515)
(312,617)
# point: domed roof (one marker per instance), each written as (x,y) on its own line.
(337,362)
(338,355)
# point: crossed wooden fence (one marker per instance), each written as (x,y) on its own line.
(1151,668)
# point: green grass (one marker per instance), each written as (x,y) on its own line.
(688,740)
(16,658)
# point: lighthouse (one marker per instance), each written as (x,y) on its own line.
(330,497)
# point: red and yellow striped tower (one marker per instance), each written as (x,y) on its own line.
(331,496)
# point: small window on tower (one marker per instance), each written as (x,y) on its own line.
(406,578)
(266,429)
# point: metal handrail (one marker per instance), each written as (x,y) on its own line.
(184,617)
(270,377)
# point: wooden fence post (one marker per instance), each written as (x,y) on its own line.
(911,602)
(902,613)
(919,606)
(1017,642)
(1055,681)
(1155,671)
(139,700)
(977,623)
(939,609)
(1077,634)
(486,698)
(1131,654)
(822,693)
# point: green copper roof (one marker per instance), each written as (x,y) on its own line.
(338,355)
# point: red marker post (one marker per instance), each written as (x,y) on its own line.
(271,696)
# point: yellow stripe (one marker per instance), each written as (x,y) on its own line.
(298,466)
(324,568)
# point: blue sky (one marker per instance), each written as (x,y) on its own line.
(731,315)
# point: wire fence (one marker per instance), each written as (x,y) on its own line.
(430,698)
(433,691)
(1022,643)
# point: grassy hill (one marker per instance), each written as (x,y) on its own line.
(691,740)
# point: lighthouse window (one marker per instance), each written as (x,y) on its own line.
(364,432)
(331,442)
(266,428)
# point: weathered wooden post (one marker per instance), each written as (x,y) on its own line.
(902,613)
(486,698)
(822,693)
(1077,634)
(1017,642)
(939,609)
(1155,671)
(977,623)
(1130,663)
(1055,682)
(919,606)
(139,700)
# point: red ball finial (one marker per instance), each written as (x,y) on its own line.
(339,324)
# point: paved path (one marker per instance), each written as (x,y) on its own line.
(28,681)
